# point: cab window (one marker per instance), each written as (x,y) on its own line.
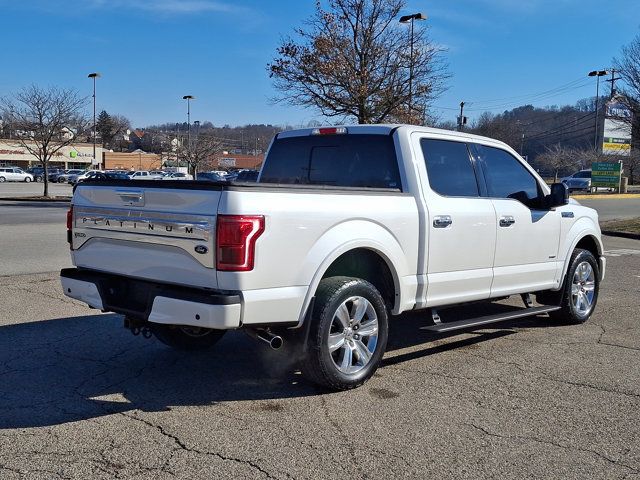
(505,176)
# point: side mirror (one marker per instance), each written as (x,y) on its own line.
(558,197)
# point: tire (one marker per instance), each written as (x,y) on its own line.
(38,179)
(2,179)
(182,337)
(337,356)
(27,180)
(60,180)
(580,289)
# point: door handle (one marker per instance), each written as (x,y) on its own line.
(507,221)
(442,221)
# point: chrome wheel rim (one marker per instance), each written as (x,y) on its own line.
(583,288)
(353,335)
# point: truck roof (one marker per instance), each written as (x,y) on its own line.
(385,129)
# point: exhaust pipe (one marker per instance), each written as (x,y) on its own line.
(274,341)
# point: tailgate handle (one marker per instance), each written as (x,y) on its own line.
(131,198)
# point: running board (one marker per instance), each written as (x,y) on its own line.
(479,321)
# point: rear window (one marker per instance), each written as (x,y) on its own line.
(336,160)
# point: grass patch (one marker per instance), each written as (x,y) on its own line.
(630,225)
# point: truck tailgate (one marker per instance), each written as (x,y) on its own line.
(155,230)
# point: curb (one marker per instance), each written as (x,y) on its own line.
(612,233)
(611,196)
(32,199)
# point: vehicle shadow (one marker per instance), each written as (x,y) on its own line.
(78,368)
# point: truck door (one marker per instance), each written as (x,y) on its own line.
(527,234)
(462,224)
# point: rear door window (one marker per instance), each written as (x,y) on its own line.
(348,160)
(449,168)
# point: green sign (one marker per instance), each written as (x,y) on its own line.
(73,154)
(606,174)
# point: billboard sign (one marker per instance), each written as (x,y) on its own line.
(617,129)
(606,174)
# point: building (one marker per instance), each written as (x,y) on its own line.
(78,155)
(136,160)
(228,161)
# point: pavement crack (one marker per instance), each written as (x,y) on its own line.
(602,456)
(183,446)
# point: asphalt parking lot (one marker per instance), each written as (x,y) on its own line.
(80,397)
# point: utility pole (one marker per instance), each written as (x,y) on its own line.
(613,82)
(461,117)
(522,145)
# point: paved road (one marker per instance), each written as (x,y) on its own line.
(610,209)
(81,398)
(33,237)
(21,189)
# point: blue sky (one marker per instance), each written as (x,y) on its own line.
(152,52)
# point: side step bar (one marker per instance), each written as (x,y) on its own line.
(479,321)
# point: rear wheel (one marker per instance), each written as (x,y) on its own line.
(348,333)
(580,288)
(183,337)
(27,179)
(2,179)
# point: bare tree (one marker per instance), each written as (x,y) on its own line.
(201,151)
(352,60)
(47,119)
(628,67)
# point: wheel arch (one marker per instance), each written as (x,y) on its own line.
(586,236)
(345,258)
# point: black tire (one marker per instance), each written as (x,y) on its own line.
(38,179)
(2,179)
(182,337)
(27,180)
(569,313)
(60,180)
(319,365)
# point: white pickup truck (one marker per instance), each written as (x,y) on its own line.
(346,227)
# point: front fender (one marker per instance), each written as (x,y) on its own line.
(581,228)
(348,236)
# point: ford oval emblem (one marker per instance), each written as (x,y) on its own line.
(201,249)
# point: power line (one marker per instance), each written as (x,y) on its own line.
(557,129)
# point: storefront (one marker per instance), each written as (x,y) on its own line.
(79,155)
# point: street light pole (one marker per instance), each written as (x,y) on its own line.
(188,98)
(597,74)
(94,75)
(410,19)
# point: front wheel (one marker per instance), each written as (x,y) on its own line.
(580,289)
(2,179)
(348,333)
(183,337)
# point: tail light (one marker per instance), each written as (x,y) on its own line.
(70,226)
(329,131)
(236,237)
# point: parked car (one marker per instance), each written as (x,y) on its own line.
(578,181)
(347,227)
(247,176)
(111,175)
(73,179)
(37,173)
(14,174)
(54,174)
(144,175)
(211,177)
(177,176)
(64,177)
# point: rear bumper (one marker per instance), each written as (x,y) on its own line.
(153,301)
